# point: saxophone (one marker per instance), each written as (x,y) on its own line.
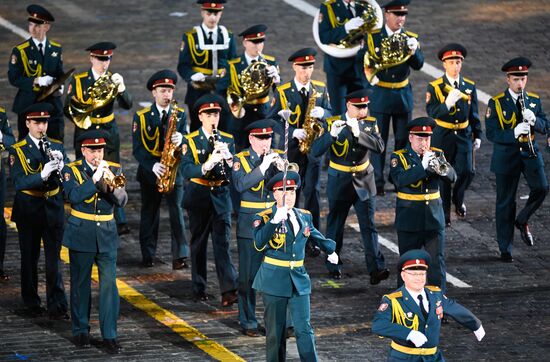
(312,127)
(171,154)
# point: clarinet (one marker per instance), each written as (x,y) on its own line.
(223,171)
(50,155)
(530,147)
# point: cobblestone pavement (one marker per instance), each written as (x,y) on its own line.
(512,300)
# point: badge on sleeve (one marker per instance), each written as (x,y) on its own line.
(70,89)
(67,176)
(236,166)
(488,114)
(134,127)
(182,46)
(394,162)
(184,149)
(13,59)
(256,223)
(382,307)
(428,97)
(307,231)
(320,18)
(12,160)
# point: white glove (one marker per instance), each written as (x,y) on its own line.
(374,80)
(57,155)
(1,136)
(412,44)
(198,77)
(117,79)
(317,112)
(176,138)
(479,333)
(272,72)
(159,169)
(60,165)
(48,169)
(453,97)
(214,159)
(299,134)
(333,258)
(522,128)
(337,127)
(416,337)
(529,116)
(426,158)
(280,215)
(354,124)
(59,91)
(285,114)
(98,174)
(224,150)
(45,81)
(353,23)
(477,144)
(267,161)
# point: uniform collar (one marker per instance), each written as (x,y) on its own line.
(43,42)
(249,59)
(160,109)
(95,74)
(299,85)
(35,141)
(513,94)
(389,32)
(451,80)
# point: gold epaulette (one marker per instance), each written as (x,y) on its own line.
(410,33)
(329,2)
(307,212)
(265,214)
(23,45)
(54,140)
(437,82)
(534,95)
(191,32)
(114,164)
(75,163)
(331,119)
(192,134)
(394,295)
(271,58)
(468,80)
(143,111)
(2,109)
(498,96)
(20,143)
(433,288)
(81,75)
(54,43)
(399,152)
(318,83)
(180,109)
(225,134)
(376,31)
(235,60)
(284,87)
(243,154)
(436,149)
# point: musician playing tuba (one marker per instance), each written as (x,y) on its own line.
(392,52)
(148,132)
(89,104)
(252,75)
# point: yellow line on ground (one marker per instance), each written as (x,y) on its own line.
(163,316)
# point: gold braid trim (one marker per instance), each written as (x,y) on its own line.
(399,316)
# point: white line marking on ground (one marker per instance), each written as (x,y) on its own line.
(14,28)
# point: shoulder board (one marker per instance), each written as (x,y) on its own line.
(2,109)
(399,152)
(265,212)
(180,109)
(54,140)
(143,111)
(75,163)
(376,31)
(23,45)
(285,86)
(54,43)
(436,149)
(307,212)
(534,95)
(20,143)
(500,95)
(333,118)
(329,2)
(225,134)
(410,33)
(81,75)
(369,119)
(114,164)
(394,295)
(192,31)
(438,81)
(318,83)
(192,134)
(468,80)
(433,288)
(271,58)
(243,153)
(235,60)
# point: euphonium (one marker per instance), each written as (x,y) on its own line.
(255,83)
(370,18)
(312,127)
(102,92)
(393,51)
(171,154)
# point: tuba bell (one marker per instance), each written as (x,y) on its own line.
(255,83)
(393,51)
(102,92)
(349,46)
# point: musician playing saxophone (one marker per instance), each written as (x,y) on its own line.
(148,130)
(78,97)
(206,163)
(416,171)
(511,120)
(256,106)
(392,97)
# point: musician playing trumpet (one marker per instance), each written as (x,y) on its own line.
(149,132)
(350,140)
(206,163)
(511,120)
(91,238)
(416,171)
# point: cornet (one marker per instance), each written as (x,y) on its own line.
(109,178)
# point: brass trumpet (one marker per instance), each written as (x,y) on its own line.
(448,88)
(439,165)
(116,181)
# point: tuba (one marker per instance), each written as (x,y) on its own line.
(171,154)
(102,92)
(393,52)
(255,84)
(349,46)
(312,127)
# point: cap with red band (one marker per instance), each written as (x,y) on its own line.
(292,181)
(517,66)
(414,259)
(211,5)
(304,56)
(39,112)
(421,126)
(452,51)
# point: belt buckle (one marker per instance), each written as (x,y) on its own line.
(455,127)
(291,264)
(211,183)
(353,169)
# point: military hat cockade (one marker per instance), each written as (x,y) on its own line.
(415,259)
(421,126)
(39,15)
(102,50)
(211,5)
(93,139)
(292,181)
(398,7)
(451,51)
(162,78)
(262,128)
(255,33)
(518,66)
(305,56)
(359,98)
(39,112)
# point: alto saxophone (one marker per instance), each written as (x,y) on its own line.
(311,126)
(171,154)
